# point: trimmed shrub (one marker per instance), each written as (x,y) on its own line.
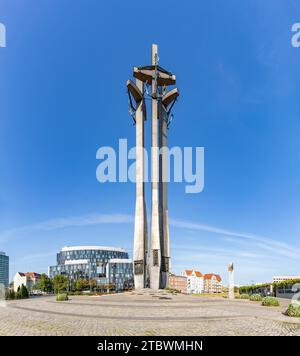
(293,310)
(237,296)
(172,290)
(270,302)
(244,296)
(62,297)
(256,297)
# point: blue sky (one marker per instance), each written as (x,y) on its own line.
(62,96)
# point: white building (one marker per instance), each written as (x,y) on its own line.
(195,282)
(277,279)
(28,279)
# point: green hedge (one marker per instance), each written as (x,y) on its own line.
(251,289)
(293,310)
(254,289)
(244,296)
(270,302)
(256,297)
(62,297)
(286,283)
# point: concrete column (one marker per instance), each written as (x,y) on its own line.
(155,250)
(163,197)
(140,226)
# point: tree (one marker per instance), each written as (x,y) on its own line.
(93,284)
(60,283)
(44,284)
(24,292)
(80,285)
(18,294)
(109,287)
(84,284)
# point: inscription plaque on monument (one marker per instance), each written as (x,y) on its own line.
(139,267)
(165,263)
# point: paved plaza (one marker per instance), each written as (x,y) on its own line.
(144,313)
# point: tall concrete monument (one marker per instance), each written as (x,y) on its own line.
(164,120)
(152,266)
(140,226)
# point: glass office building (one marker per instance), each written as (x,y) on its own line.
(4,269)
(107,265)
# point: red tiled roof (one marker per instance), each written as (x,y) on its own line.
(32,274)
(188,272)
(210,275)
(198,274)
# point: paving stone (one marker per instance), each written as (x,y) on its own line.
(141,314)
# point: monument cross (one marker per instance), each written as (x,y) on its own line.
(156,263)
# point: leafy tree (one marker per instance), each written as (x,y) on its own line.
(93,284)
(44,284)
(24,292)
(84,284)
(80,285)
(109,287)
(100,288)
(18,294)
(60,283)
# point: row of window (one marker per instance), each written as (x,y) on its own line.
(91,255)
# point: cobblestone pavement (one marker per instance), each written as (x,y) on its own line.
(144,313)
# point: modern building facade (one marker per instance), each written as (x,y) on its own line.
(178,283)
(107,265)
(4,269)
(212,283)
(28,279)
(195,281)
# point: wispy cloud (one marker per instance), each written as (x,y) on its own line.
(72,221)
(32,258)
(256,241)
(215,251)
(262,242)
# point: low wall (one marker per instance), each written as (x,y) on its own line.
(285,295)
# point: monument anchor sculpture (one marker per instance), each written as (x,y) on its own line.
(152,264)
